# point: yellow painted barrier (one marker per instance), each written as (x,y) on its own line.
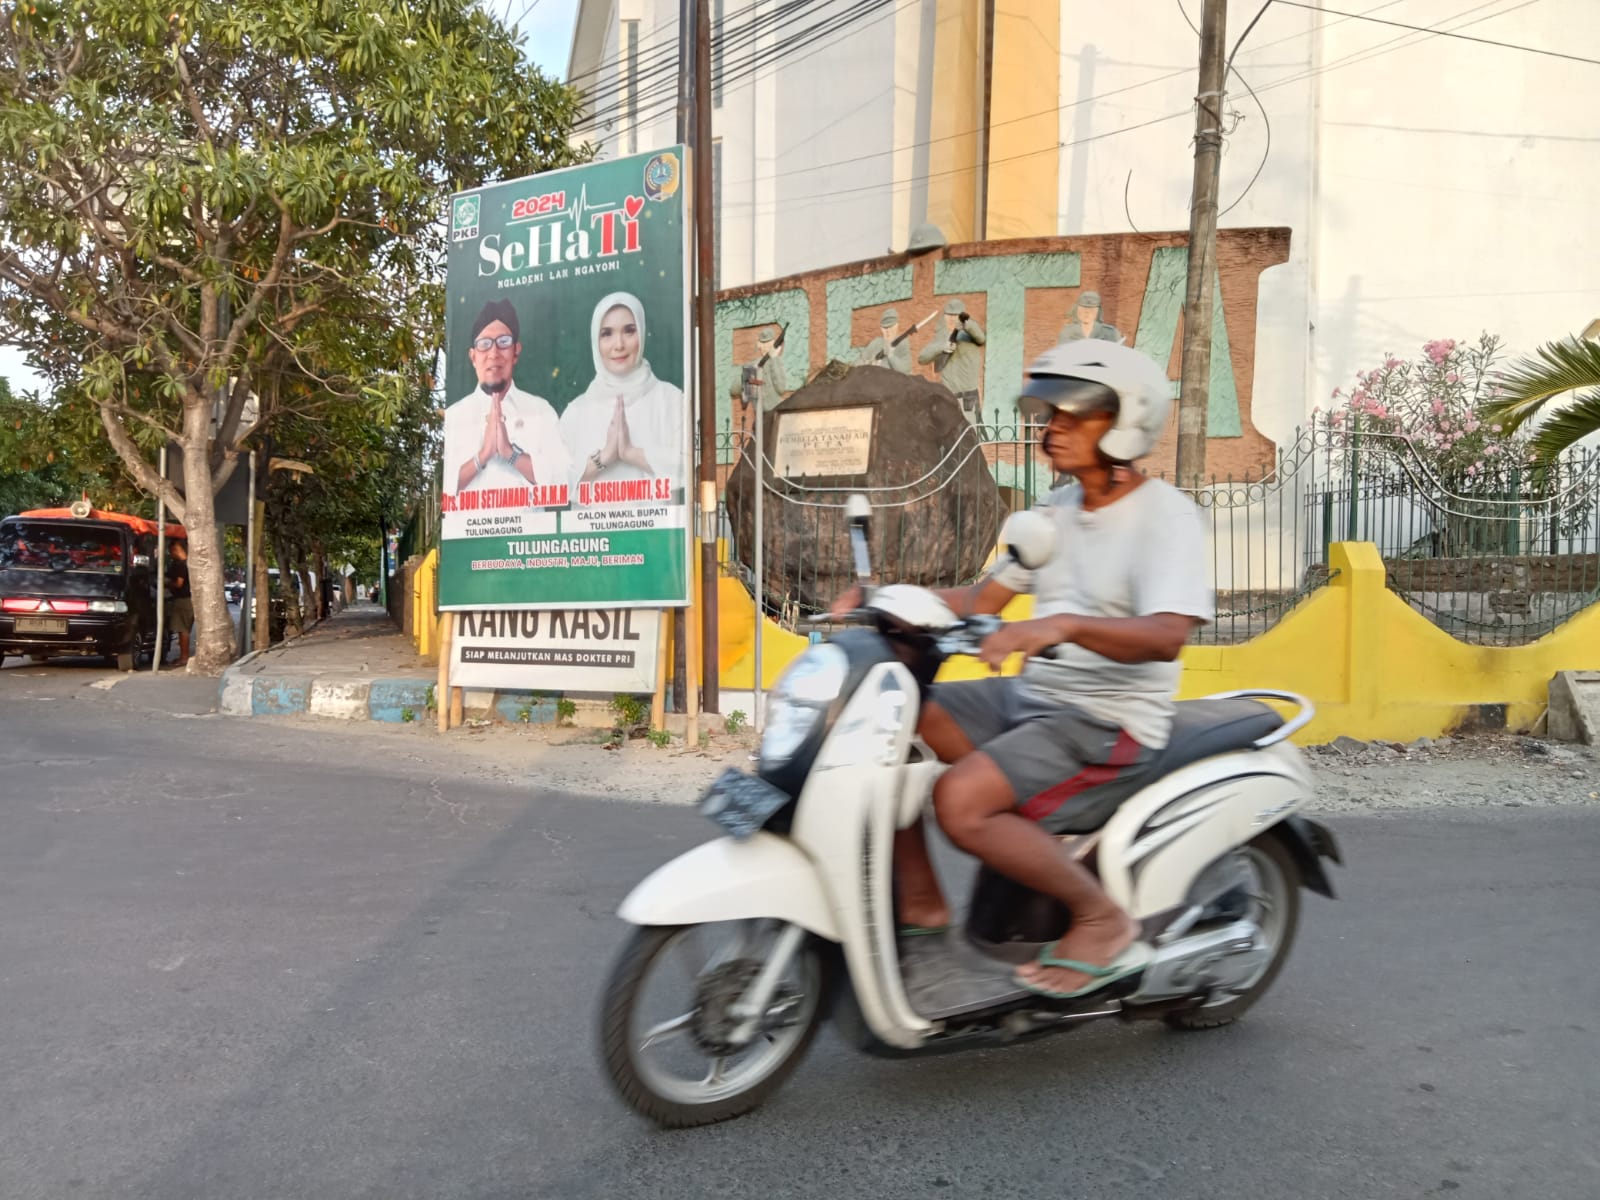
(1376,669)
(424,605)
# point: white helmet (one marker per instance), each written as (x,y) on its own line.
(1094,376)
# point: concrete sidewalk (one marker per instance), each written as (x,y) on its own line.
(356,665)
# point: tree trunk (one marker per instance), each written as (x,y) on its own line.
(263,598)
(213,629)
(292,626)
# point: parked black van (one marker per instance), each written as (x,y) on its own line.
(79,585)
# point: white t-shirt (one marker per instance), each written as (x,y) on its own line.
(530,423)
(1143,554)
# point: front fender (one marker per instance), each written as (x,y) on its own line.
(729,880)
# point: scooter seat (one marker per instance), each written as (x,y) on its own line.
(1200,729)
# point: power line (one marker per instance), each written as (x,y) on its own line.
(921,179)
(1594,62)
(788,51)
(1403,42)
(654,29)
(1360,56)
(1060,108)
(1266,125)
(523,15)
(665,69)
(664,61)
(1266,122)
(660,98)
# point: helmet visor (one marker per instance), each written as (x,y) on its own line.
(1044,394)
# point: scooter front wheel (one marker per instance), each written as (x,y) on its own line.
(674,1045)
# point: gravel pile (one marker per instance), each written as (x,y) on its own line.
(1482,770)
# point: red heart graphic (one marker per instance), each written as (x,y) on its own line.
(633,206)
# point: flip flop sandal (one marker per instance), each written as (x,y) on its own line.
(1130,962)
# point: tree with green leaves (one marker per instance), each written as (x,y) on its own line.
(1537,381)
(215,206)
(43,464)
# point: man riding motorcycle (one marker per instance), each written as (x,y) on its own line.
(1112,610)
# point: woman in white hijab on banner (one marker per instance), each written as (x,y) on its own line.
(627,424)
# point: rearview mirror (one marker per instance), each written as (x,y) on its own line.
(1029,537)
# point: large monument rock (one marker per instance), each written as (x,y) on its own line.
(899,439)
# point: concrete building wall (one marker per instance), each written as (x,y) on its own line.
(1432,187)
(830,152)
(1435,187)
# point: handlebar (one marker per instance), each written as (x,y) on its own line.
(968,636)
(965,637)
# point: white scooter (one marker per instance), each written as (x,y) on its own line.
(791,917)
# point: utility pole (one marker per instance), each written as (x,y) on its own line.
(705,370)
(685,136)
(1198,300)
(685,111)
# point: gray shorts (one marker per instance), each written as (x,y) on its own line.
(1052,752)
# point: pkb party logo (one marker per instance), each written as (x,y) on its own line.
(464,218)
(662,174)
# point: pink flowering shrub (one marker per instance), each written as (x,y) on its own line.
(1410,428)
(1430,403)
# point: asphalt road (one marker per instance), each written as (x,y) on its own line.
(246,959)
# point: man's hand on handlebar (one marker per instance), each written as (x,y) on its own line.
(1029,638)
(847,603)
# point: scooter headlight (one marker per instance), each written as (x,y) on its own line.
(801,699)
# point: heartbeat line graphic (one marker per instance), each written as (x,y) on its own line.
(574,213)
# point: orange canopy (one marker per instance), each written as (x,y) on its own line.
(138,524)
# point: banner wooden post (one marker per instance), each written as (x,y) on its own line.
(441,690)
(691,636)
(658,702)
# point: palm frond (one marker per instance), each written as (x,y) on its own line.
(1553,370)
(1566,427)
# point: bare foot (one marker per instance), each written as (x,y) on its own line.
(925,914)
(1095,942)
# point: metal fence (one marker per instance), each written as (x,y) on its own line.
(420,533)
(1499,557)
(1496,553)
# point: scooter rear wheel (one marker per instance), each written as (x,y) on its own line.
(1276,908)
(738,1077)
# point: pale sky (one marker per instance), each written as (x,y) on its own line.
(547,26)
(547,30)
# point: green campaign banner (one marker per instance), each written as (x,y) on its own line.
(567,459)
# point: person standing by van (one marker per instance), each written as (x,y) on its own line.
(180,601)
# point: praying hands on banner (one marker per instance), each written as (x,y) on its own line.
(618,447)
